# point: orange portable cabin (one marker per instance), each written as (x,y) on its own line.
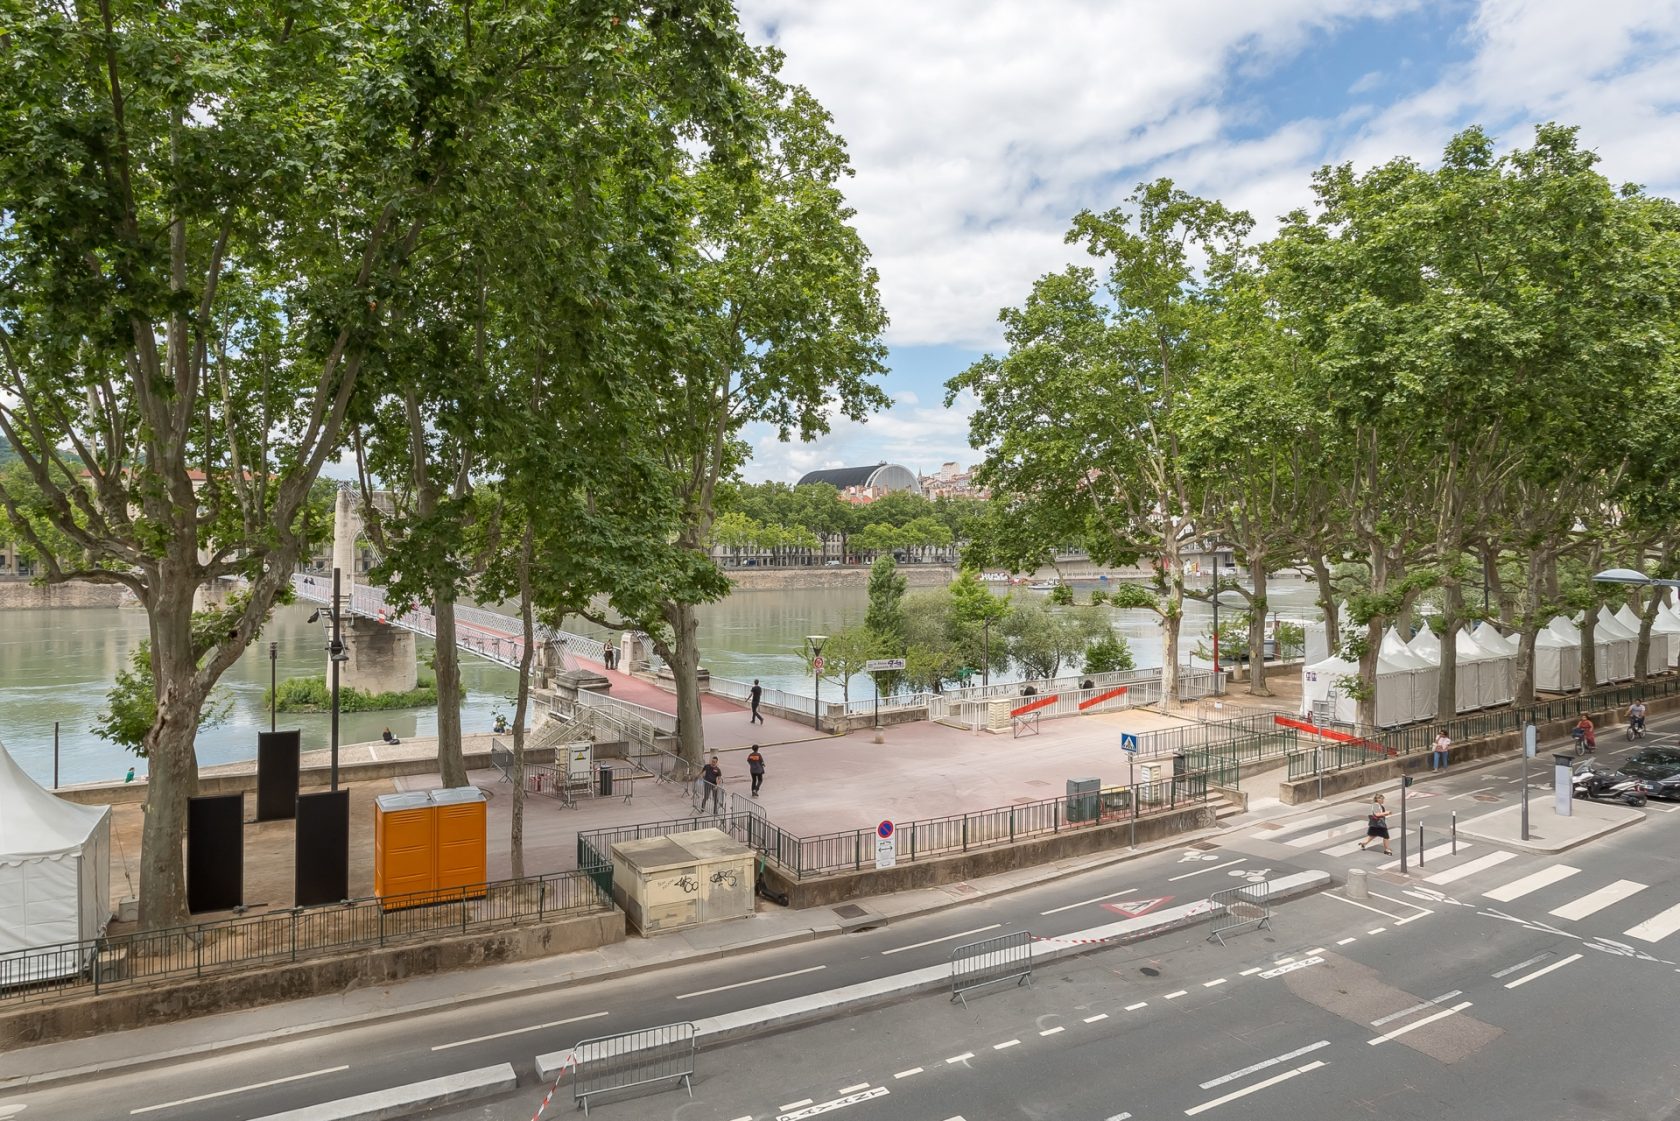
(429,841)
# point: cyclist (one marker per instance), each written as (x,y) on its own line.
(1636,717)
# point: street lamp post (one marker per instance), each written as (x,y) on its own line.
(815,642)
(986,665)
(1216,612)
(273,699)
(336,655)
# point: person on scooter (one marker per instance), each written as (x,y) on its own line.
(1583,733)
(1636,718)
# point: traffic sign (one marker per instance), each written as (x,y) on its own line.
(886,845)
(1135,908)
(817,664)
(882,665)
(1129,743)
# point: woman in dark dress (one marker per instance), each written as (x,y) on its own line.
(1378,826)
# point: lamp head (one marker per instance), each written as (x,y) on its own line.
(1621,576)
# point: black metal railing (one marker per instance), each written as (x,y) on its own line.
(226,945)
(1355,745)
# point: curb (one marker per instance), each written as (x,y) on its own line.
(404,1101)
(750,1022)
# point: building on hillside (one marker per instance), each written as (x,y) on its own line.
(951,481)
(863,485)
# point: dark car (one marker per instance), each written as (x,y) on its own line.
(1658,768)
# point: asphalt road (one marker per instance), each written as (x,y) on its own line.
(1565,1043)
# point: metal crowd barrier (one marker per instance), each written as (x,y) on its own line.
(633,1058)
(1237,907)
(977,964)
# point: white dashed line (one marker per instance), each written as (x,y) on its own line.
(1212,983)
(852,1089)
(1416,1024)
(936,941)
(754,981)
(1087,902)
(1246,1090)
(1202,871)
(1135,1007)
(908,1073)
(1175,996)
(1315,950)
(1052,1031)
(1345,941)
(1098,1016)
(1006,1044)
(1401,1015)
(796,1105)
(1246,1071)
(1249,972)
(962,1058)
(1542,971)
(1379,930)
(1521,965)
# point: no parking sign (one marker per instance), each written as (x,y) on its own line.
(886,845)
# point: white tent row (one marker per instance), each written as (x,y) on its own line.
(1483,675)
(1405,687)
(1623,646)
(1557,659)
(55,878)
(1605,650)
(1658,658)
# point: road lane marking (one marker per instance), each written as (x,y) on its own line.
(838,1103)
(1245,1091)
(1542,971)
(1087,902)
(962,1058)
(1006,1045)
(908,1073)
(1052,1031)
(1292,967)
(1249,972)
(1281,1059)
(754,981)
(1657,927)
(238,1090)
(1516,889)
(1307,839)
(1345,941)
(852,1089)
(936,941)
(1135,1007)
(1471,868)
(1211,868)
(1316,950)
(1211,984)
(1378,930)
(1393,1016)
(1175,996)
(1416,1024)
(1522,965)
(796,1105)
(1098,1016)
(1598,900)
(1434,850)
(518,1031)
(1346,849)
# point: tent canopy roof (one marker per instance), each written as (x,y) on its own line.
(34,822)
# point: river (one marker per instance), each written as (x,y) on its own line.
(58,664)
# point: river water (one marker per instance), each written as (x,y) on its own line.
(58,664)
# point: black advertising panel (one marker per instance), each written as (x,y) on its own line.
(323,847)
(215,853)
(277,774)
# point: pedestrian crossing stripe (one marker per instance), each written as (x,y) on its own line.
(1516,889)
(1596,901)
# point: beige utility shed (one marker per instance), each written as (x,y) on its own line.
(683,880)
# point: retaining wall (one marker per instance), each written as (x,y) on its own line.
(145,1005)
(22,593)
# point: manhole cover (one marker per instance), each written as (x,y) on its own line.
(1486,797)
(1204,845)
(1149,971)
(850,911)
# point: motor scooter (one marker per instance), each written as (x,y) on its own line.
(1600,784)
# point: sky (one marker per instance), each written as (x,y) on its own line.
(979,128)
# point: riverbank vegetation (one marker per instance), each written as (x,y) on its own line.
(313,694)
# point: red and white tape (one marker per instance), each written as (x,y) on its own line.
(571,1061)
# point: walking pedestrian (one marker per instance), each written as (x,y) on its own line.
(1438,757)
(711,778)
(1377,825)
(756,695)
(755,764)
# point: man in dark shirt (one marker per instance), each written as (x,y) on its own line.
(711,775)
(757,695)
(755,764)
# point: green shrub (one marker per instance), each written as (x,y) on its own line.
(312,694)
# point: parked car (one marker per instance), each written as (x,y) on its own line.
(1658,768)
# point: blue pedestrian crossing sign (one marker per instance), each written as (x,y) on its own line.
(1129,743)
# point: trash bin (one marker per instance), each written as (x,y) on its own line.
(1082,795)
(603,782)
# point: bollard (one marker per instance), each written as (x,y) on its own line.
(1357,888)
(1455,831)
(1420,844)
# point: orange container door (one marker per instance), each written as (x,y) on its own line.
(462,845)
(405,856)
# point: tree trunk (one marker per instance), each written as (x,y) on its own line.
(1646,618)
(1257,630)
(172,761)
(1589,651)
(1172,620)
(683,654)
(1528,618)
(1446,693)
(516,837)
(446,661)
(1327,603)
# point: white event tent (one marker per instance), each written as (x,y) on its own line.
(1658,658)
(1570,633)
(1421,678)
(1557,660)
(1467,674)
(1624,645)
(55,878)
(1322,698)
(1667,623)
(1499,663)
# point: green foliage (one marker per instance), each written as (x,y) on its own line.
(1127,595)
(1041,639)
(845,654)
(1109,653)
(313,694)
(1061,595)
(885,618)
(1290,639)
(132,705)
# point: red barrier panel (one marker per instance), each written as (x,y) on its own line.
(1331,734)
(1101,697)
(1035,705)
